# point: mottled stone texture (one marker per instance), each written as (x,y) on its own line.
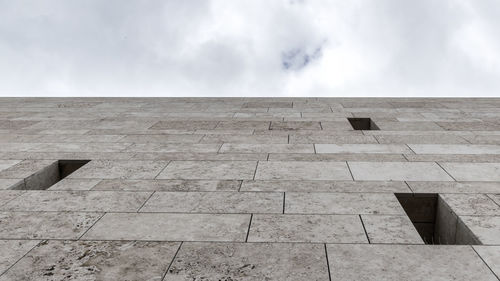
(248,189)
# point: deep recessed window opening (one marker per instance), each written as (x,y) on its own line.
(51,174)
(434,220)
(363,124)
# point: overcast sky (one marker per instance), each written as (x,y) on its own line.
(250,48)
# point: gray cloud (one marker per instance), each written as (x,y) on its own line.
(253,48)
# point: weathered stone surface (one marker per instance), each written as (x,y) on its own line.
(406,262)
(307,228)
(223,170)
(215,202)
(45,225)
(89,260)
(239,261)
(170,227)
(264,183)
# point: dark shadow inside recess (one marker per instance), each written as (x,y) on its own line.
(434,220)
(363,124)
(51,174)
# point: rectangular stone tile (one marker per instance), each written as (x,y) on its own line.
(455,187)
(405,262)
(295,125)
(78,201)
(174,147)
(307,228)
(342,203)
(331,139)
(185,125)
(398,171)
(305,170)
(79,147)
(243,125)
(249,261)
(266,148)
(469,158)
(337,157)
(221,170)
(169,185)
(336,125)
(485,228)
(455,149)
(170,227)
(471,204)
(469,126)
(491,256)
(69,155)
(325,186)
(366,103)
(309,133)
(267,139)
(215,202)
(165,138)
(105,169)
(187,156)
(70,138)
(12,251)
(408,126)
(265,116)
(51,225)
(421,139)
(473,171)
(383,229)
(410,132)
(225,132)
(75,184)
(264,104)
(362,148)
(94,260)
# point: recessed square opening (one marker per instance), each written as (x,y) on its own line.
(50,175)
(363,124)
(434,220)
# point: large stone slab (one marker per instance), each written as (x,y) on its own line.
(405,262)
(454,149)
(342,203)
(50,225)
(105,169)
(398,171)
(215,202)
(222,170)
(307,228)
(78,201)
(303,170)
(473,171)
(170,227)
(249,261)
(169,185)
(94,260)
(362,148)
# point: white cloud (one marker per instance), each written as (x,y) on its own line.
(251,48)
